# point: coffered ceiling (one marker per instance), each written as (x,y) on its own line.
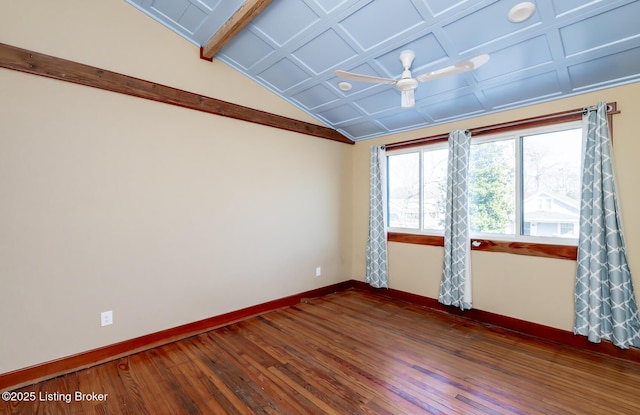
(294,47)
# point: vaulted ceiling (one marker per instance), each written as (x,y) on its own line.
(294,47)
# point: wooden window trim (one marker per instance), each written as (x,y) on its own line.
(512,247)
(526,123)
(489,245)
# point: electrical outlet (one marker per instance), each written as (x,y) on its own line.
(318,271)
(106,318)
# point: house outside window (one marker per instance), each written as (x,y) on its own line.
(524,186)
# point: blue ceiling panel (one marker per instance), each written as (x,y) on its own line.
(171,9)
(192,18)
(617,68)
(195,20)
(210,4)
(587,34)
(285,20)
(538,87)
(366,129)
(246,49)
(486,26)
(380,21)
(451,108)
(283,75)
(340,114)
(315,97)
(565,7)
(530,53)
(402,121)
(439,7)
(329,5)
(441,86)
(339,51)
(386,100)
(294,47)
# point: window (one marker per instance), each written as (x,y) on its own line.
(524,186)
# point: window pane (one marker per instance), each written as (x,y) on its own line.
(551,180)
(404,190)
(435,188)
(492,187)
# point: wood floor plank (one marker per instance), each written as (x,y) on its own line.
(411,391)
(352,352)
(326,381)
(218,386)
(404,362)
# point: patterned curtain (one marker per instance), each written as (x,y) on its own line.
(455,287)
(377,242)
(605,302)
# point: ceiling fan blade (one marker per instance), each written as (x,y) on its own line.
(364,78)
(454,69)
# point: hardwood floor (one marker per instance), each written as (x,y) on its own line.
(347,353)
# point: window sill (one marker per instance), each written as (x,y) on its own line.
(518,248)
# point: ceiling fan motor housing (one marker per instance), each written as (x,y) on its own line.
(406,84)
(407,57)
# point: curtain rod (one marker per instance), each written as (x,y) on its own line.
(570,115)
(595,107)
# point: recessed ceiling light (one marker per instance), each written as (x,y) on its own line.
(521,12)
(344,86)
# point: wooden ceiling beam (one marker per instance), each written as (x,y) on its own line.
(241,18)
(35,63)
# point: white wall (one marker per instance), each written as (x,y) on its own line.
(162,214)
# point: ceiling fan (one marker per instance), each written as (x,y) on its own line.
(407,84)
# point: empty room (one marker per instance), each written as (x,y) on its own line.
(319,207)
